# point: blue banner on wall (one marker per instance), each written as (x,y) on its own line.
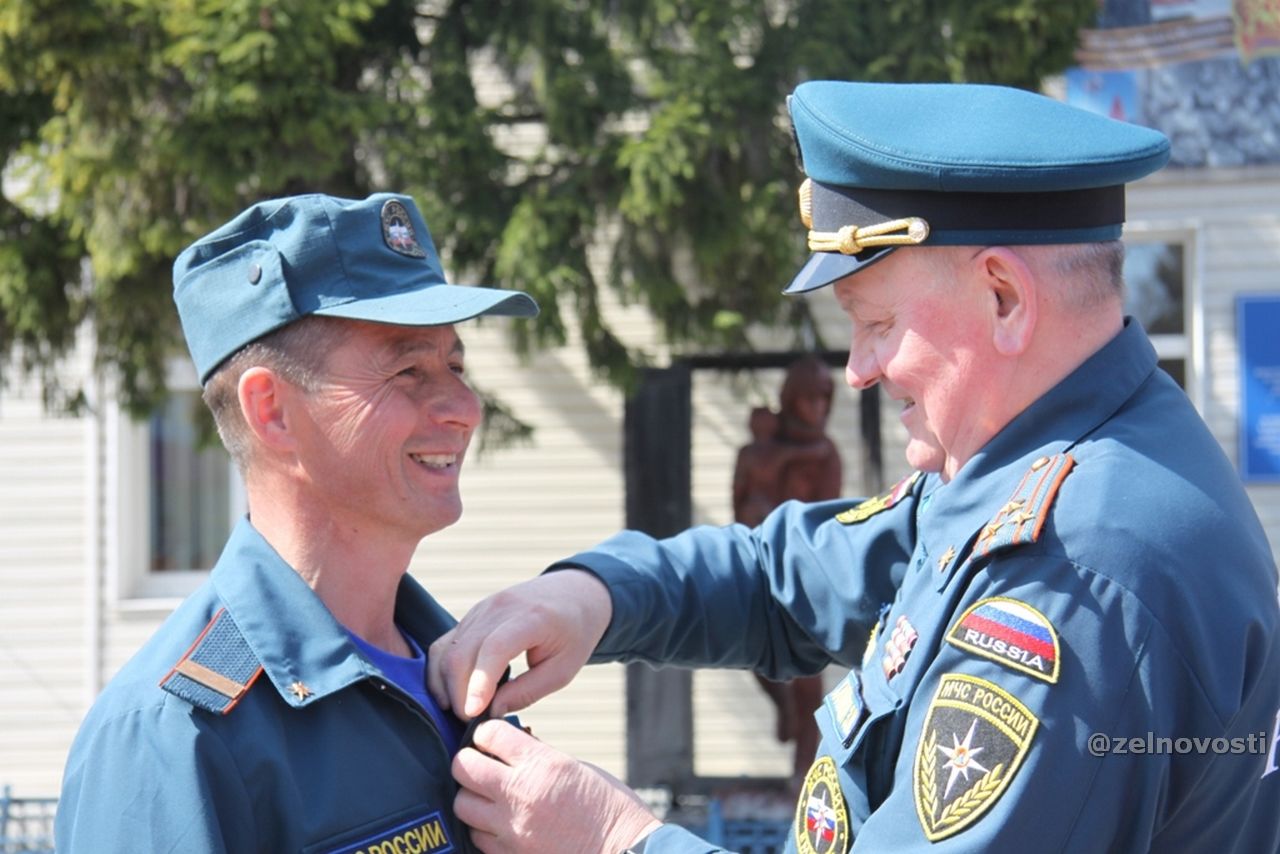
(1258,329)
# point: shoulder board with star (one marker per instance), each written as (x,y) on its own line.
(879,504)
(1022,517)
(218,669)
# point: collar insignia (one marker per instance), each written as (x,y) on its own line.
(872,506)
(218,670)
(974,739)
(300,690)
(397,230)
(822,819)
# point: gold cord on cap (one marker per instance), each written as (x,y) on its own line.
(852,239)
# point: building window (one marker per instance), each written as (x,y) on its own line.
(190,488)
(173,500)
(1158,293)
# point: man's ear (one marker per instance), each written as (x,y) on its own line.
(264,400)
(1013,297)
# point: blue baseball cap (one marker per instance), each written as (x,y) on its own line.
(283,259)
(940,164)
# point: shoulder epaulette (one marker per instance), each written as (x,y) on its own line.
(872,506)
(1022,517)
(217,670)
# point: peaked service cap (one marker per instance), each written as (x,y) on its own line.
(284,259)
(944,164)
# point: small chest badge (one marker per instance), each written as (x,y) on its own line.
(974,739)
(397,230)
(898,646)
(822,819)
(845,707)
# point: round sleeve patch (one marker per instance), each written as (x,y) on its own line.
(822,819)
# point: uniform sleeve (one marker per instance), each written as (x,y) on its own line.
(784,599)
(673,839)
(1060,715)
(152,780)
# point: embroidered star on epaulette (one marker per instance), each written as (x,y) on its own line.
(1011,506)
(989,531)
(946,558)
(1024,516)
(299,690)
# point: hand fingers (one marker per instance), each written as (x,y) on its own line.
(492,657)
(488,842)
(477,812)
(541,679)
(505,743)
(466,664)
(437,658)
(481,774)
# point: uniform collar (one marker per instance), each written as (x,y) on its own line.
(294,636)
(1054,423)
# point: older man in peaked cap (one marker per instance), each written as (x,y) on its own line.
(1062,630)
(283,706)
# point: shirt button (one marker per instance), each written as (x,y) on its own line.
(255,274)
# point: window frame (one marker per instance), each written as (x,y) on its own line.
(132,584)
(1190,346)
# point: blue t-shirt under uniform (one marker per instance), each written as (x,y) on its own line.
(410,675)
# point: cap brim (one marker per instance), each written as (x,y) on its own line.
(823,268)
(436,305)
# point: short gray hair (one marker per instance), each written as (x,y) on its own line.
(297,352)
(1089,274)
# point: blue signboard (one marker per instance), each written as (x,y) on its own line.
(1258,329)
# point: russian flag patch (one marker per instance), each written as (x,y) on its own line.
(1011,633)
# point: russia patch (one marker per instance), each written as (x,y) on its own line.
(1011,633)
(427,834)
(974,739)
(822,819)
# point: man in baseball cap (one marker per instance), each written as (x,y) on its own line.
(283,706)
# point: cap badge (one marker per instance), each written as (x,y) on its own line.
(397,230)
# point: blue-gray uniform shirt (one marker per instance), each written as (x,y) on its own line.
(251,723)
(1076,641)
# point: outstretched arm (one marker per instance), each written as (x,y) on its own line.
(784,599)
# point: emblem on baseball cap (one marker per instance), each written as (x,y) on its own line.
(397,230)
(283,259)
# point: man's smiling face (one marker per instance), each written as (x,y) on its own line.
(385,433)
(920,330)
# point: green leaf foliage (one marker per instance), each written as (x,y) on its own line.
(647,135)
